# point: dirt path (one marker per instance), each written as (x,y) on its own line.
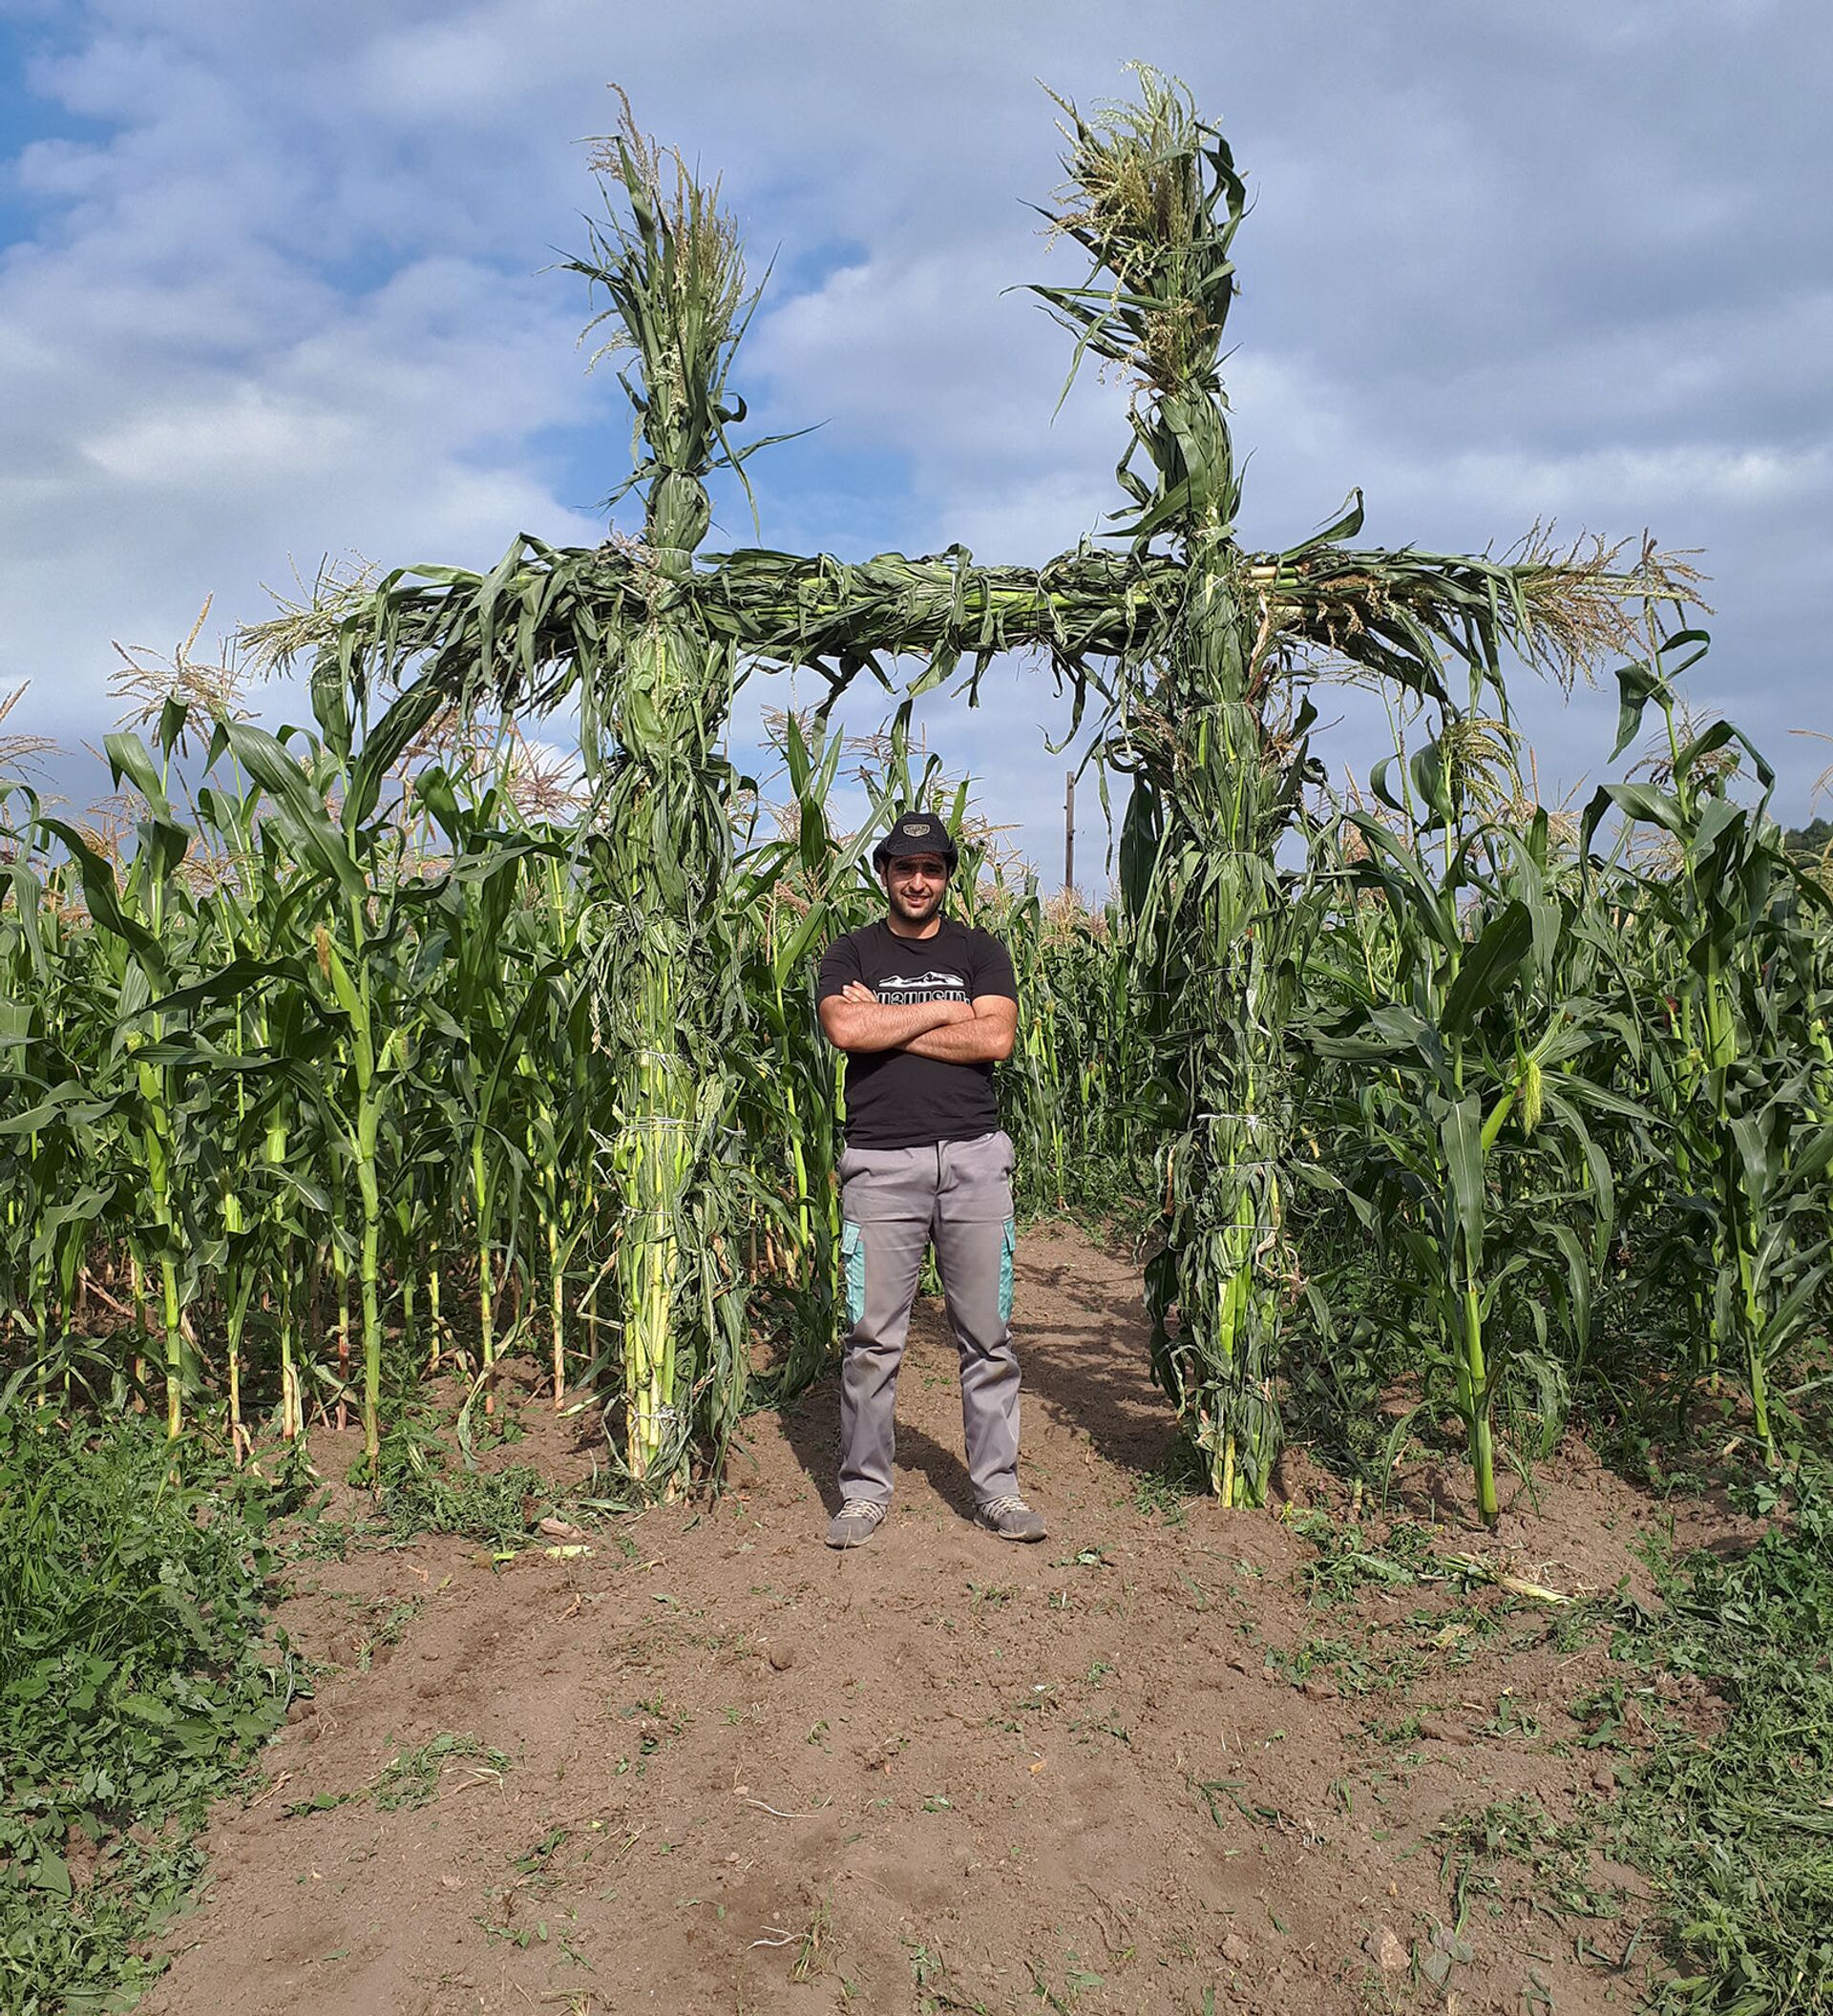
(713,1767)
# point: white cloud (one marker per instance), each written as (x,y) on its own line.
(280,292)
(1625,481)
(247,435)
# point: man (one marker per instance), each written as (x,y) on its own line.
(924,1008)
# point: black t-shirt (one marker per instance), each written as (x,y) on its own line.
(894,1099)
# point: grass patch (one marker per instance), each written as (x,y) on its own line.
(1176,1481)
(136,1683)
(1719,1723)
(1734,1828)
(419,1488)
(1558,1859)
(411,1777)
(420,1484)
(1349,1561)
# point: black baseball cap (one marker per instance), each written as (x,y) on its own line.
(916,833)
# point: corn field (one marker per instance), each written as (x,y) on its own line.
(385,1050)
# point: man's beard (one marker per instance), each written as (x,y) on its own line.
(906,906)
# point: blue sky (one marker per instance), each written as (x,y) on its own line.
(271,288)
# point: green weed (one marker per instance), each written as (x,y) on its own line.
(1734,1828)
(1730,1821)
(1167,1491)
(1348,1561)
(936,1993)
(135,1687)
(412,1776)
(421,1488)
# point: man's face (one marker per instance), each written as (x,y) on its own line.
(915,885)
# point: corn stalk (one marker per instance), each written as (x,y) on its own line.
(1733,922)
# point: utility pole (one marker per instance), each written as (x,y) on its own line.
(1069,831)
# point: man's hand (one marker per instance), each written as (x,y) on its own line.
(857,1021)
(984,1036)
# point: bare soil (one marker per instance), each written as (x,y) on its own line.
(711,1766)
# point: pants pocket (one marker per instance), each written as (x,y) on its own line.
(852,1271)
(1008,1251)
(976,1180)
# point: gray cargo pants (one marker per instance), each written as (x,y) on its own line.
(894,1201)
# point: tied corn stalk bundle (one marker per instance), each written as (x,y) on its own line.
(1208,714)
(662,860)
(1154,199)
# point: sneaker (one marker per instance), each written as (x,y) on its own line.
(1010,1518)
(856,1523)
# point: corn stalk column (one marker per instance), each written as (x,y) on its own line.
(1210,801)
(670,849)
(1154,196)
(662,854)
